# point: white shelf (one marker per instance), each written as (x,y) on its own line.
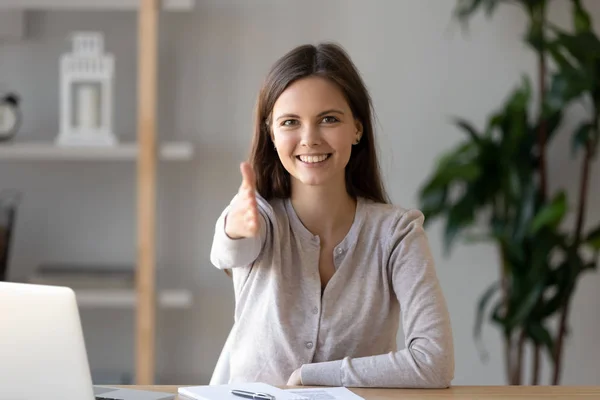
(125,298)
(44,151)
(92,5)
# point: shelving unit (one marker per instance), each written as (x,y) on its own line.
(146,153)
(99,5)
(123,298)
(42,151)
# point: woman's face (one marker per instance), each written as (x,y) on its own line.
(313,130)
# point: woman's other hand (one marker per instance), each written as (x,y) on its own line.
(295,379)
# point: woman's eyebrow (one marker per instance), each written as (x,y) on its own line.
(287,116)
(330,111)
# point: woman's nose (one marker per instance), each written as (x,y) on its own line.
(311,136)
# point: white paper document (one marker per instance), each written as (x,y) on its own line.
(223,392)
(338,393)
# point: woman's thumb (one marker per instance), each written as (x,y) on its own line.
(248,176)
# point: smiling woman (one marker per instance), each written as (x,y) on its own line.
(323,266)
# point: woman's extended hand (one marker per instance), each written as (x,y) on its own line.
(295,379)
(242,219)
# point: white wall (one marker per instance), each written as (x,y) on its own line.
(420,71)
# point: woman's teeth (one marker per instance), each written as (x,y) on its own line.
(313,159)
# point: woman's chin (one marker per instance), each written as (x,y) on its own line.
(313,180)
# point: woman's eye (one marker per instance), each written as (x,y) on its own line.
(289,122)
(330,120)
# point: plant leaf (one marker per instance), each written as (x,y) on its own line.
(540,335)
(466,8)
(581,137)
(526,306)
(464,153)
(490,6)
(566,86)
(562,282)
(498,318)
(591,265)
(535,37)
(461,214)
(581,18)
(453,173)
(553,119)
(593,238)
(551,214)
(467,127)
(556,50)
(576,74)
(433,202)
(583,46)
(525,212)
(519,99)
(481,304)
(495,121)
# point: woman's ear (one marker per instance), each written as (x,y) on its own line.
(270,131)
(359,130)
(272,136)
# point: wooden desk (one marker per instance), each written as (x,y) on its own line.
(459,392)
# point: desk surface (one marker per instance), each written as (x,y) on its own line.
(459,392)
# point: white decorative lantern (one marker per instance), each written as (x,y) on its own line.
(86,93)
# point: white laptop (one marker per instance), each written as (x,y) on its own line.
(42,349)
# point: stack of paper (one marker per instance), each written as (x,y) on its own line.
(337,393)
(223,392)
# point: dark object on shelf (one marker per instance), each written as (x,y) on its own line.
(8,212)
(85,276)
(10,116)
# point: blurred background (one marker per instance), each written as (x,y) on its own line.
(421,69)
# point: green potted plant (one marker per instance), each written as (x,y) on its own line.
(494,186)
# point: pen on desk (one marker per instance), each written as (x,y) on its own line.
(252,395)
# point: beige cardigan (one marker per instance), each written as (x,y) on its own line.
(347,335)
